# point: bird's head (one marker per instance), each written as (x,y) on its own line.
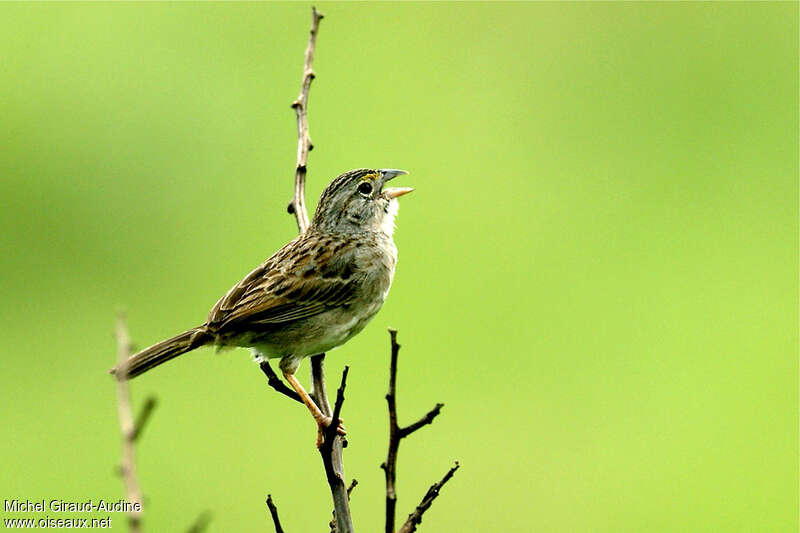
(357,201)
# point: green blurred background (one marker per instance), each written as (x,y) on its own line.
(597,276)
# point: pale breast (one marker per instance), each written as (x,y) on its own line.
(368,264)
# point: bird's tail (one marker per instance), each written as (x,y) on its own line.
(163,352)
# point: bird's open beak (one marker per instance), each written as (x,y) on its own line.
(393,192)
(396,192)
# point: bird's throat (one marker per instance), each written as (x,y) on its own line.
(388,222)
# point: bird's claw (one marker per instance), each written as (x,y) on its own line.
(324,423)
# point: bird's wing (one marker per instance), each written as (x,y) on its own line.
(306,277)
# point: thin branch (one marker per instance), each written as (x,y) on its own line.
(331,452)
(127,427)
(276,383)
(424,421)
(389,466)
(331,449)
(144,415)
(353,484)
(397,433)
(273,511)
(201,524)
(330,431)
(300,106)
(415,518)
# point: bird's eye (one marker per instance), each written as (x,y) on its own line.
(365,188)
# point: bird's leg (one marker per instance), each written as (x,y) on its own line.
(322,420)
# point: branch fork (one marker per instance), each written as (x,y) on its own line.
(396,434)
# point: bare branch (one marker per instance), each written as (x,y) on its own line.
(127,427)
(331,449)
(144,415)
(425,420)
(390,465)
(330,431)
(201,524)
(331,452)
(276,383)
(397,433)
(353,484)
(415,518)
(300,106)
(273,511)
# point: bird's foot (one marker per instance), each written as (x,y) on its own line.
(324,423)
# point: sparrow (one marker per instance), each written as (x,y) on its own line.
(312,295)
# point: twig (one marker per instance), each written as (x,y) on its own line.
(127,427)
(275,382)
(201,523)
(273,511)
(424,421)
(331,457)
(353,484)
(415,518)
(331,452)
(300,106)
(330,431)
(397,433)
(144,415)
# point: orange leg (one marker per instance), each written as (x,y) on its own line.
(322,420)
